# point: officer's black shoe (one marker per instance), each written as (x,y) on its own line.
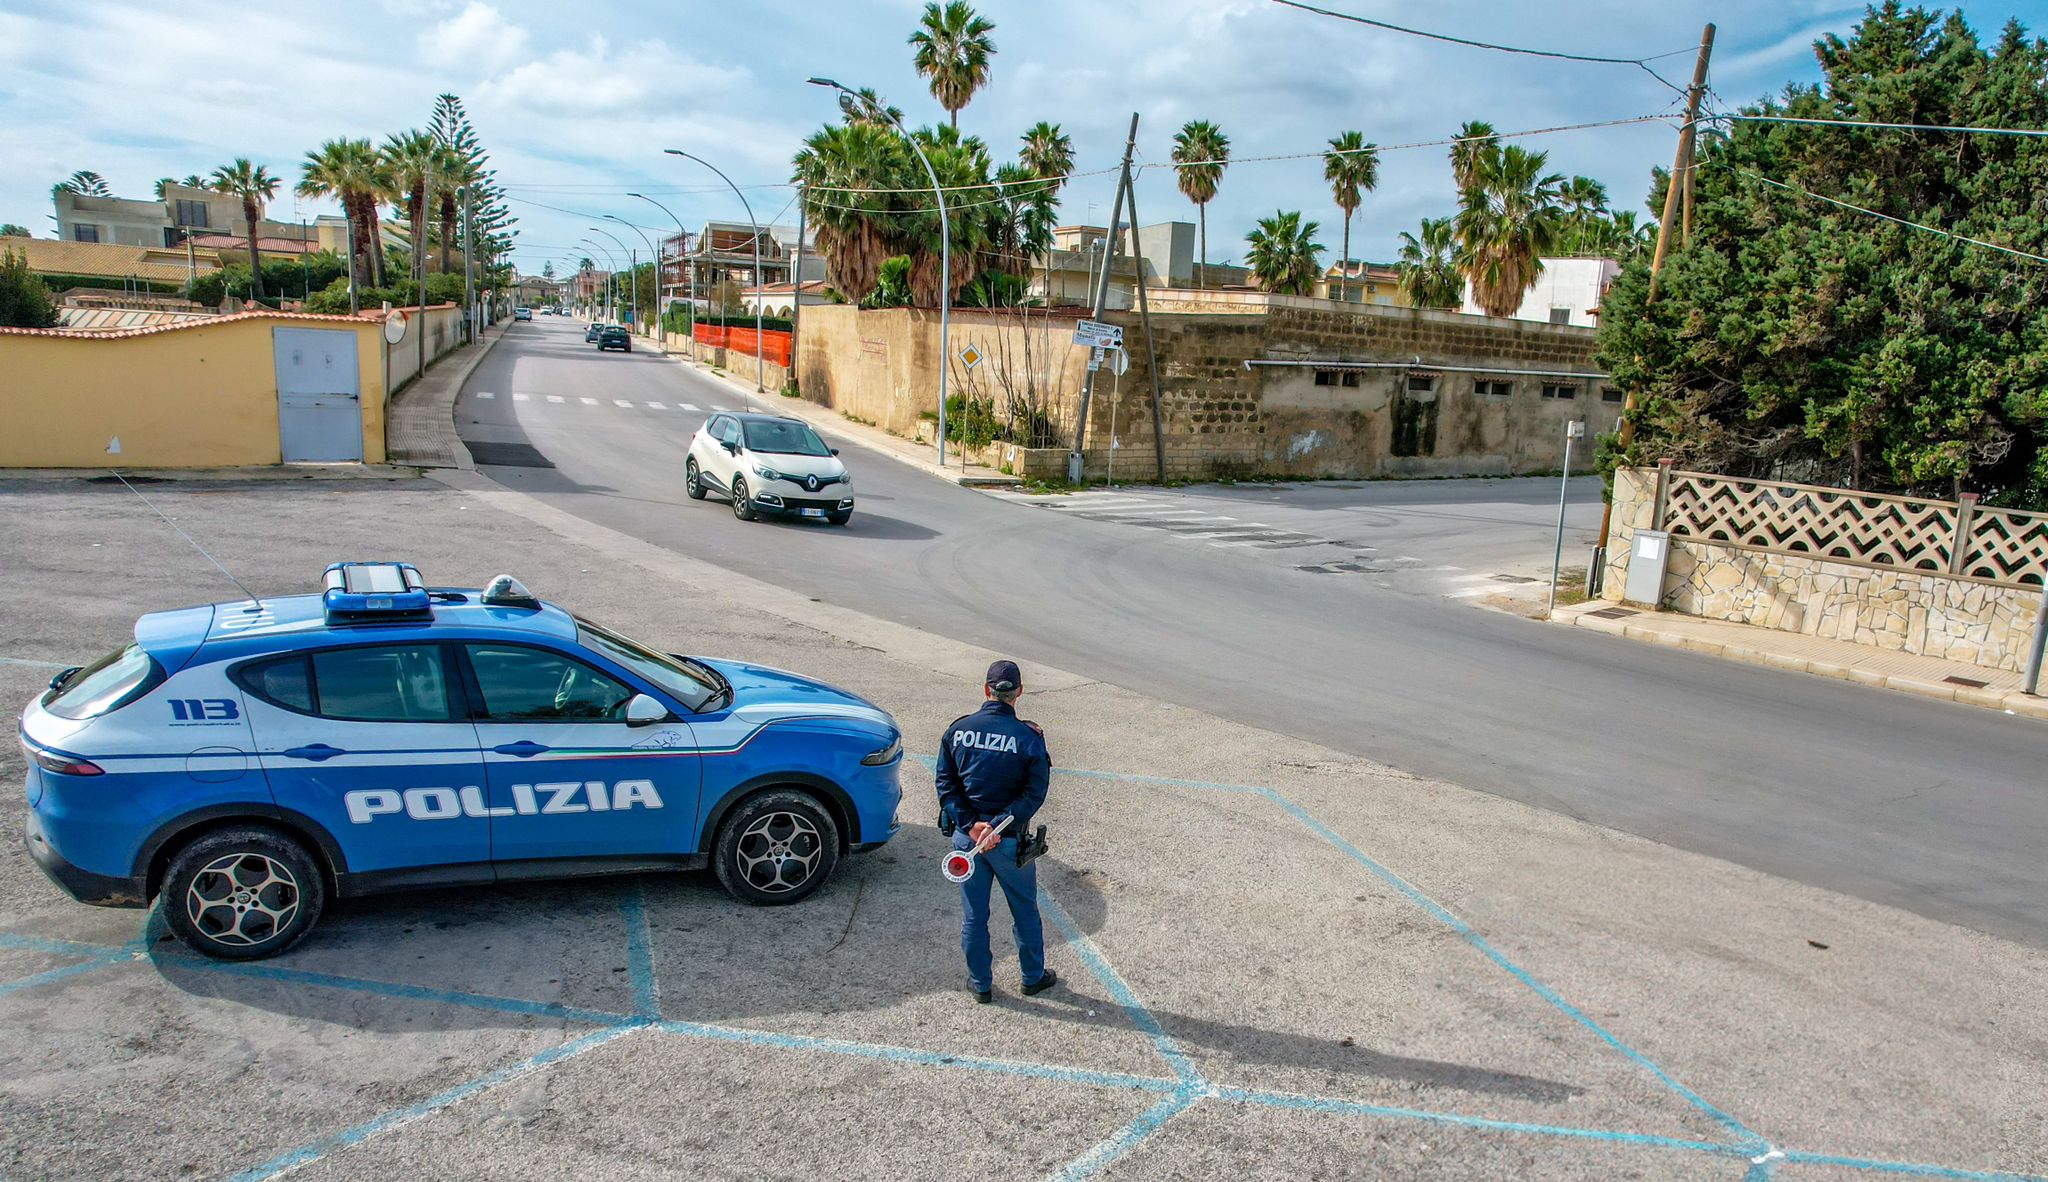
(983,996)
(1044,983)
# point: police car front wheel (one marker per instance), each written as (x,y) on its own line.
(243,894)
(776,847)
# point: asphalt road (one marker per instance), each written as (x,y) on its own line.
(1936,808)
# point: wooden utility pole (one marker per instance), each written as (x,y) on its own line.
(1101,295)
(1681,176)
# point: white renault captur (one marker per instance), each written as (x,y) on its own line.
(768,464)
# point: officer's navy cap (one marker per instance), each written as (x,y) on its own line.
(1003,676)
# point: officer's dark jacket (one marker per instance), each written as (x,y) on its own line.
(993,764)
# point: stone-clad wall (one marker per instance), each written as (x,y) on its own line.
(1967,620)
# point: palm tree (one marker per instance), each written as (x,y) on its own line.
(1582,198)
(162,183)
(953,49)
(1428,269)
(253,185)
(1049,153)
(351,172)
(454,174)
(1283,255)
(410,159)
(85,183)
(1508,222)
(1476,142)
(848,174)
(1352,167)
(1200,152)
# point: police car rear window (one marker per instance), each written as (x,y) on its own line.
(106,685)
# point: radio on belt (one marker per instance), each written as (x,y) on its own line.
(373,590)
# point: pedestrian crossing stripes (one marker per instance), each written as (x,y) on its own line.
(1196,525)
(621,403)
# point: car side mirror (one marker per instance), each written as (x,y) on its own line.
(645,711)
(835,451)
(731,448)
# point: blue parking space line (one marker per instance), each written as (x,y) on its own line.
(923,1058)
(1120,991)
(1129,1137)
(1907,1169)
(639,953)
(50,976)
(383,1122)
(57,947)
(509,1005)
(1762,1169)
(1749,1138)
(1336,1107)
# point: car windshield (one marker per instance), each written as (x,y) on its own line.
(786,439)
(103,685)
(692,683)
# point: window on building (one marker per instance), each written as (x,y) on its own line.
(85,233)
(1560,315)
(192,213)
(1560,390)
(1610,394)
(1421,383)
(1492,389)
(1337,377)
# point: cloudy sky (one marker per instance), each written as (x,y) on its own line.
(576,101)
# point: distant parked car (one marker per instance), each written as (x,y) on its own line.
(593,332)
(522,313)
(614,337)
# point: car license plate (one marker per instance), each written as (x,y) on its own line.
(812,512)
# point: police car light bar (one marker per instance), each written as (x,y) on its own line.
(374,590)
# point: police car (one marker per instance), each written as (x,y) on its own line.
(768,464)
(244,762)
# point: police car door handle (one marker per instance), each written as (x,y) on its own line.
(522,748)
(315,752)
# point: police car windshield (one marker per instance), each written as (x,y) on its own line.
(694,685)
(785,439)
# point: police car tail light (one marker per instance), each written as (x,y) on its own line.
(506,591)
(885,755)
(374,590)
(63,765)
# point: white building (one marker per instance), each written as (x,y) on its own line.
(1568,291)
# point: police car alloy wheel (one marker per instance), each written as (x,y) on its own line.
(243,894)
(742,500)
(693,480)
(776,848)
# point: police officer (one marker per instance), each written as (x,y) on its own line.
(993,765)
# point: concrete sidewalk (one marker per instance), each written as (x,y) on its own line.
(419,423)
(1929,677)
(921,456)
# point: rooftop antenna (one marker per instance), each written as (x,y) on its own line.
(114,448)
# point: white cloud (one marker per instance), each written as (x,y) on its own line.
(601,80)
(478,36)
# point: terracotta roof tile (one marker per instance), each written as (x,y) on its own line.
(51,256)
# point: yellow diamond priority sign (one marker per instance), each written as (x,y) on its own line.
(970,357)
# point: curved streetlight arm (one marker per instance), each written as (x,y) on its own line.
(760,383)
(610,280)
(683,257)
(945,242)
(634,279)
(655,256)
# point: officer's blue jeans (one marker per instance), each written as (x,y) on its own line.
(1020,890)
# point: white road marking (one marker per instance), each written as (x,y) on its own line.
(719,410)
(587,401)
(689,406)
(485,394)
(622,402)
(555,398)
(521,398)
(656,406)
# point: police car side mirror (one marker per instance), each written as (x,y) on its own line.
(645,711)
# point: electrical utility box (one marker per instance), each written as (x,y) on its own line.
(1649,553)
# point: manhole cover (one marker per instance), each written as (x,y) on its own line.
(507,455)
(1614,613)
(1971,682)
(130,480)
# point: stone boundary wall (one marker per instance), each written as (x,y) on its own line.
(1973,621)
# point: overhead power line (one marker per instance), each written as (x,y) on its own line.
(1925,229)
(2035,132)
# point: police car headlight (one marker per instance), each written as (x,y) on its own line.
(766,473)
(885,755)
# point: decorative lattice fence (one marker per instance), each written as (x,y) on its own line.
(2002,546)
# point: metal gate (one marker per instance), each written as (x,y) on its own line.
(319,395)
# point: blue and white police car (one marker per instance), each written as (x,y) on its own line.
(247,761)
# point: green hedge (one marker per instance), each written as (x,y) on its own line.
(57,283)
(746,320)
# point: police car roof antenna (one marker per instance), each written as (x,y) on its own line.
(188,537)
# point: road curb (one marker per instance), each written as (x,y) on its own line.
(2010,701)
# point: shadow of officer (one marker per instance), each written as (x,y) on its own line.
(994,765)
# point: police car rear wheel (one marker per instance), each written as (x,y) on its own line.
(742,500)
(243,894)
(776,848)
(693,480)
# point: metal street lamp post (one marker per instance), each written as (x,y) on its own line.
(760,363)
(683,257)
(660,334)
(632,266)
(849,96)
(611,299)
